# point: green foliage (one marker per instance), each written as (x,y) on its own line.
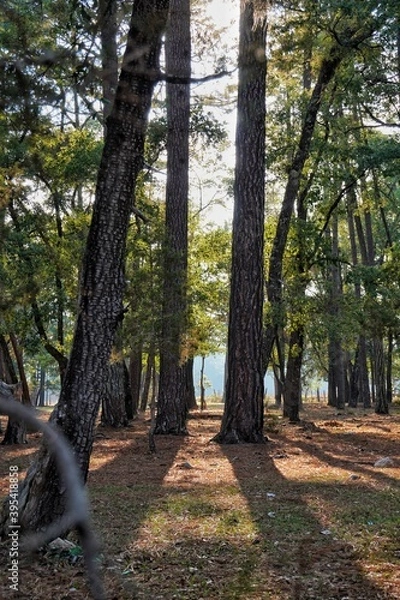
(67,159)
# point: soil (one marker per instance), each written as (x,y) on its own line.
(305,516)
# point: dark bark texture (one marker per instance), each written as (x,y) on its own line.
(42,498)
(172,396)
(244,404)
(113,403)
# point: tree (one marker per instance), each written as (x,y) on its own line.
(244,394)
(345,41)
(100,303)
(172,395)
(16,429)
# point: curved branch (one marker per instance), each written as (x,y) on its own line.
(77,512)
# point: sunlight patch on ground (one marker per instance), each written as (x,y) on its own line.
(219,510)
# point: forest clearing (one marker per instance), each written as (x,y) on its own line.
(180,178)
(306,515)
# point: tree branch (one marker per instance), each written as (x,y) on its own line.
(187,80)
(77,512)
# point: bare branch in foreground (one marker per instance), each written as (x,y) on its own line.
(77,509)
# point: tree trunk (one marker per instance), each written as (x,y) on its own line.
(365,393)
(332,388)
(191,403)
(389,369)
(274,284)
(244,394)
(292,388)
(109,54)
(16,429)
(203,404)
(37,314)
(135,376)
(150,370)
(113,399)
(278,391)
(172,396)
(381,403)
(100,309)
(26,397)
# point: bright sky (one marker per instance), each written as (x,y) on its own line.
(224,14)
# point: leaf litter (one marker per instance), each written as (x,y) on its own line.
(309,515)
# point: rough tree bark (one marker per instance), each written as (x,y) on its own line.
(101,289)
(109,54)
(242,420)
(172,395)
(113,401)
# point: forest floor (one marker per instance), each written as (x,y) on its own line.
(305,516)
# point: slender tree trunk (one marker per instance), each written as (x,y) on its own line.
(172,396)
(274,283)
(150,367)
(389,368)
(279,367)
(332,387)
(100,309)
(292,388)
(244,394)
(190,388)
(365,393)
(278,391)
(135,376)
(37,314)
(26,397)
(337,360)
(381,404)
(203,404)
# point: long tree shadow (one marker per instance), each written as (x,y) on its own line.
(124,480)
(302,524)
(199,520)
(353,453)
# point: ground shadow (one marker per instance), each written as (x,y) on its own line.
(124,480)
(308,559)
(170,527)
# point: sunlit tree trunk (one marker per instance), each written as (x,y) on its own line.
(203,404)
